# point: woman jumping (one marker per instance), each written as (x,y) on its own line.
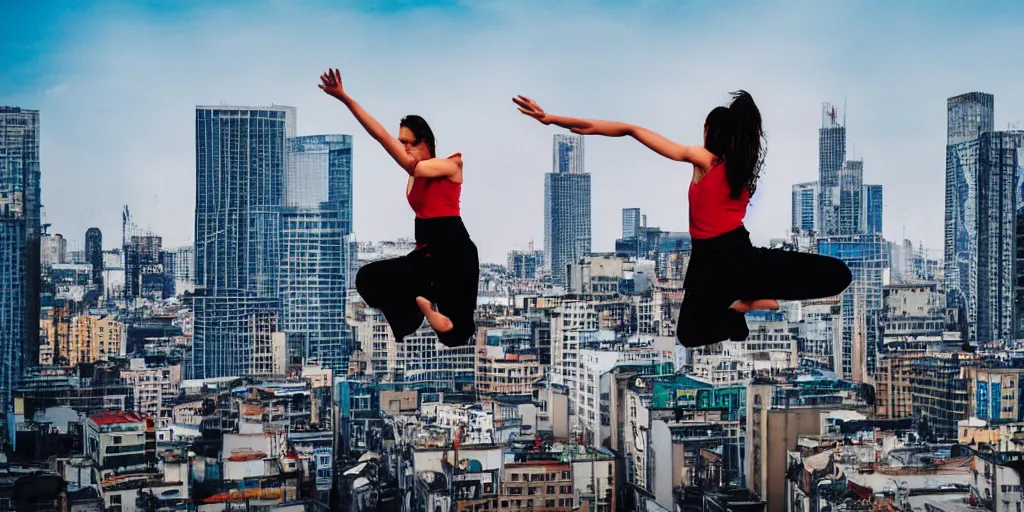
(727,276)
(444,268)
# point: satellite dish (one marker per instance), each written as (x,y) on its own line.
(639,382)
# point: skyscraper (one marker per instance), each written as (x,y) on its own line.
(94,256)
(1018,299)
(567,226)
(567,156)
(999,205)
(851,198)
(315,221)
(967,117)
(240,169)
(831,160)
(805,207)
(873,205)
(20,232)
(630,222)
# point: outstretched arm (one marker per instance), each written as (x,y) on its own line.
(381,135)
(331,84)
(696,155)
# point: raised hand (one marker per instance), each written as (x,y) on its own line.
(331,83)
(531,108)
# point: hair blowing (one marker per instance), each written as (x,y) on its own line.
(421,130)
(735,134)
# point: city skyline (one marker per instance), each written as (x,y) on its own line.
(142,154)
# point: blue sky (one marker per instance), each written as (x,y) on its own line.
(117,83)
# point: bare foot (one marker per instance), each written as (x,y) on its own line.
(764,304)
(740,306)
(437,321)
(743,306)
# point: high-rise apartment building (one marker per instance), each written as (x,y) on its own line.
(20,232)
(567,234)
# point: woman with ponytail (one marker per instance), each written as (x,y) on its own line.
(726,276)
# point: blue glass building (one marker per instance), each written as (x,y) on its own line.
(868,257)
(240,161)
(315,221)
(273,212)
(805,207)
(873,209)
(20,233)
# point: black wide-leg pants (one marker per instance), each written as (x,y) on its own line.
(446,271)
(728,268)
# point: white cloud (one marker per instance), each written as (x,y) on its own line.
(57,89)
(125,132)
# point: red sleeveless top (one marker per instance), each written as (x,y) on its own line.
(435,197)
(712,211)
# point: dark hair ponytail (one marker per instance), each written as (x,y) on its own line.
(421,130)
(736,134)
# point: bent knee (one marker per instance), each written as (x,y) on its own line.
(839,276)
(368,285)
(460,335)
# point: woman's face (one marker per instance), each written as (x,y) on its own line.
(415,148)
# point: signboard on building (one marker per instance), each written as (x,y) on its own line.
(686,398)
(324,461)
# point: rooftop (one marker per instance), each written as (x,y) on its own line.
(115,417)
